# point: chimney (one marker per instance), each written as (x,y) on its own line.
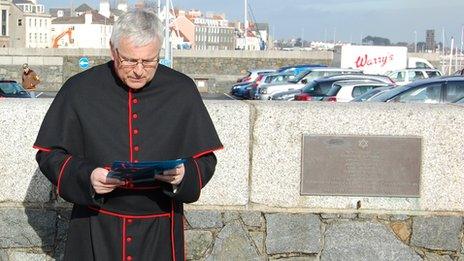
(88,18)
(104,8)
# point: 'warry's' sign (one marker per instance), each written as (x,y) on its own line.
(371,59)
(365,60)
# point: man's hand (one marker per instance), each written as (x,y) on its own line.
(101,183)
(172,176)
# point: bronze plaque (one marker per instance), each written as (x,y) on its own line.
(361,165)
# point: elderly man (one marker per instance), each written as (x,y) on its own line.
(129,109)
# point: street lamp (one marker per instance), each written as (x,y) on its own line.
(415,41)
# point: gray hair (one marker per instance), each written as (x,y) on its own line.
(139,25)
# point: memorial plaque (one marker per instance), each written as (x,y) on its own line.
(361,165)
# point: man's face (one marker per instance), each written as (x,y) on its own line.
(135,65)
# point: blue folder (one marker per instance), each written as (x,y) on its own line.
(141,171)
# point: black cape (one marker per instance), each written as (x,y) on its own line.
(94,120)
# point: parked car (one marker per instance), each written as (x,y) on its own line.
(301,80)
(251,75)
(297,69)
(405,76)
(12,89)
(268,78)
(345,91)
(371,93)
(328,81)
(238,89)
(434,90)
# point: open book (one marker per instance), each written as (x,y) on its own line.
(141,171)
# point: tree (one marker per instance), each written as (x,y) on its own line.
(375,40)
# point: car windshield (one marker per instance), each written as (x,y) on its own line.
(316,88)
(11,88)
(299,76)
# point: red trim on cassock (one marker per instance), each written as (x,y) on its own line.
(172,232)
(123,239)
(41,148)
(106,212)
(206,152)
(58,185)
(129,103)
(200,182)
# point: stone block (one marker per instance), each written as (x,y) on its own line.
(26,227)
(252,218)
(22,181)
(25,256)
(229,185)
(230,216)
(233,243)
(19,60)
(437,232)
(6,60)
(203,218)
(436,257)
(258,238)
(35,60)
(197,243)
(363,240)
(277,149)
(53,60)
(289,233)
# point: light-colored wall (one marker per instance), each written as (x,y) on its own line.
(259,168)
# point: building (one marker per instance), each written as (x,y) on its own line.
(430,43)
(210,32)
(29,25)
(90,30)
(4,23)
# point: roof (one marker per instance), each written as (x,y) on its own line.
(96,19)
(83,8)
(54,11)
(22,2)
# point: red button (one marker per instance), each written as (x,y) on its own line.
(135,116)
(136,148)
(130,220)
(136,131)
(128,239)
(135,101)
(129,258)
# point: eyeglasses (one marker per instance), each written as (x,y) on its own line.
(132,63)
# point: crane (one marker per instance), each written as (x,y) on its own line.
(61,35)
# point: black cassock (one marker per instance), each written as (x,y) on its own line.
(94,120)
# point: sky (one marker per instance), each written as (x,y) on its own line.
(342,20)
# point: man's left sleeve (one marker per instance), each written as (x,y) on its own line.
(198,172)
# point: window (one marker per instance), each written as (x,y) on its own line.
(454,91)
(426,94)
(20,22)
(4,16)
(415,75)
(35,22)
(40,22)
(360,90)
(422,65)
(397,76)
(432,74)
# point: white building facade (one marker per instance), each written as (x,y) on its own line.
(91,30)
(29,24)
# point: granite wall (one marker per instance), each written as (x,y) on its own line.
(252,208)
